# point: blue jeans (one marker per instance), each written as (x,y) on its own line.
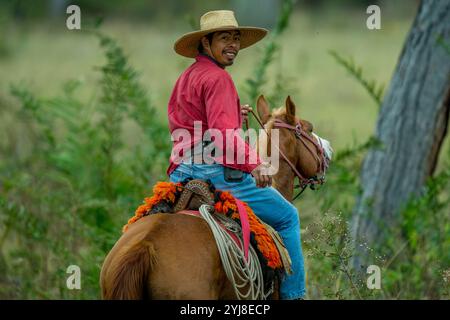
(269,205)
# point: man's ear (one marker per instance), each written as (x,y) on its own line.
(290,110)
(205,43)
(263,109)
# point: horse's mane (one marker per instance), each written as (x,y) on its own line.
(278,113)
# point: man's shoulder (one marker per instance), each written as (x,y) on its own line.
(215,75)
(209,70)
(207,76)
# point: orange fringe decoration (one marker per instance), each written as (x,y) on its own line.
(265,242)
(161,191)
(167,190)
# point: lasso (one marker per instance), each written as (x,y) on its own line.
(244,276)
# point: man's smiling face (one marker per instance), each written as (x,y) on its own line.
(224,46)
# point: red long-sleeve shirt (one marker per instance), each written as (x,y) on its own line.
(205,92)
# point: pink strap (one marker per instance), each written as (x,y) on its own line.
(245,226)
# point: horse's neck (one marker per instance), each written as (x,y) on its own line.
(283,180)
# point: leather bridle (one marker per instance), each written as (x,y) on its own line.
(300,134)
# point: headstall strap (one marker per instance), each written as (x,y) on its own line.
(299,133)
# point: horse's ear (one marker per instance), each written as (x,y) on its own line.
(290,106)
(263,109)
(290,110)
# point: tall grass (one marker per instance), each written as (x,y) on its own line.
(259,75)
(414,259)
(64,201)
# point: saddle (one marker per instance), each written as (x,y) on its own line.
(197,192)
(194,194)
(224,214)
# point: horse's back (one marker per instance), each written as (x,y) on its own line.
(180,254)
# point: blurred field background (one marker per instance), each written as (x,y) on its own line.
(45,55)
(74,220)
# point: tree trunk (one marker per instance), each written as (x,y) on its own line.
(412,125)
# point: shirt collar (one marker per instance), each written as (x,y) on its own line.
(205,57)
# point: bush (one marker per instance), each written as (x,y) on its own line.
(64,201)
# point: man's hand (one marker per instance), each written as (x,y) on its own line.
(245,109)
(261,176)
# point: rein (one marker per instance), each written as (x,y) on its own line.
(301,135)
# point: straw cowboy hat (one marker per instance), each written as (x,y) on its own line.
(212,21)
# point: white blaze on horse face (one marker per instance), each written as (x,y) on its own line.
(326,145)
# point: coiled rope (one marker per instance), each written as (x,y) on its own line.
(245,276)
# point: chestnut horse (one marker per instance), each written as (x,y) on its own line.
(175,256)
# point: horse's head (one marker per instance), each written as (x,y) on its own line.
(307,154)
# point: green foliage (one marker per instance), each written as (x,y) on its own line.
(5,38)
(64,202)
(444,44)
(343,177)
(414,260)
(422,260)
(329,246)
(375,91)
(192,22)
(258,78)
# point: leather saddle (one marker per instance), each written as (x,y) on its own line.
(197,192)
(194,194)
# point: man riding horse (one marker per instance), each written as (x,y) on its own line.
(205,94)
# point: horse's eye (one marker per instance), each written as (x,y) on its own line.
(307,126)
